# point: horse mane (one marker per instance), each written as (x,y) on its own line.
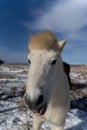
(67,71)
(43,40)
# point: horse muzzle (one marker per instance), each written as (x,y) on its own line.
(37,106)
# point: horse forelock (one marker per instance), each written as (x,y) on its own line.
(43,40)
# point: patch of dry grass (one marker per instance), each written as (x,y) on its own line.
(23,72)
(15,66)
(25,126)
(21,104)
(13,89)
(8,76)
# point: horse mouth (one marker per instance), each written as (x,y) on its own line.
(40,110)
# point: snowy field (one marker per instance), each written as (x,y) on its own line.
(15,116)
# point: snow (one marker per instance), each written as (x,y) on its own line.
(4,69)
(4,79)
(78,77)
(13,116)
(73,74)
(76,120)
(84,91)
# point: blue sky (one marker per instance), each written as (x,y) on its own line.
(20,18)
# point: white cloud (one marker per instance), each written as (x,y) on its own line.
(67,16)
(69,19)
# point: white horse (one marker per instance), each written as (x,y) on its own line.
(47,89)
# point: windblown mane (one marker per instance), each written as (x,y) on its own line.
(43,40)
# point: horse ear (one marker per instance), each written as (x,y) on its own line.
(61,44)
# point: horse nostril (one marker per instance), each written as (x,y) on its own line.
(33,103)
(28,102)
(40,100)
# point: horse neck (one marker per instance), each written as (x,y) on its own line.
(60,72)
(60,81)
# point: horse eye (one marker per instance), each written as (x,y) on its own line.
(29,61)
(54,62)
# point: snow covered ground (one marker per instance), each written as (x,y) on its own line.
(15,116)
